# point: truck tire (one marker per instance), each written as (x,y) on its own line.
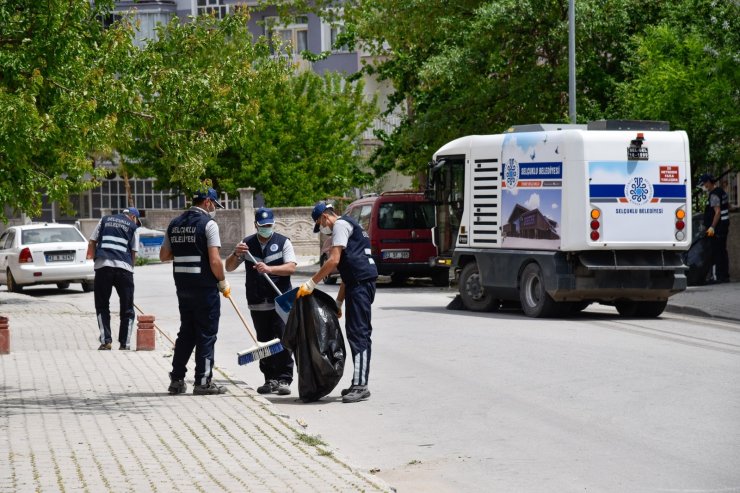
(472,292)
(535,300)
(643,309)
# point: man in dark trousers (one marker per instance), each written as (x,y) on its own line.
(275,257)
(717,223)
(113,244)
(350,252)
(192,242)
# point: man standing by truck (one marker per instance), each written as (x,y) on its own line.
(350,252)
(717,225)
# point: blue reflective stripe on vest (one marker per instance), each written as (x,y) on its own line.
(191,266)
(115,238)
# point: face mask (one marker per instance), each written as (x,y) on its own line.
(264,232)
(325,230)
(213,212)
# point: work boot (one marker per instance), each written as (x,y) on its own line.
(208,389)
(356,393)
(283,388)
(177,387)
(104,347)
(269,387)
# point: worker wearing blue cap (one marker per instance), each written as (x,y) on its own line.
(350,253)
(267,253)
(113,244)
(717,226)
(193,244)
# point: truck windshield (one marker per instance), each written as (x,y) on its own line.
(448,190)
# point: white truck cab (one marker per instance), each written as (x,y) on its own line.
(560,216)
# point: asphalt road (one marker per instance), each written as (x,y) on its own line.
(500,402)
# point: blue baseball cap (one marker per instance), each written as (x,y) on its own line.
(264,216)
(134,212)
(208,193)
(705,178)
(319,209)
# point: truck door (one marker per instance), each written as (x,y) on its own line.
(448,192)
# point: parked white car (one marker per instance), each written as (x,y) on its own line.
(44,253)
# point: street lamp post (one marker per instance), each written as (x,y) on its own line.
(572,60)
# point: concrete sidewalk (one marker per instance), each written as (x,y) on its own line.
(73,418)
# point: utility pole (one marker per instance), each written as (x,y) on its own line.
(572,60)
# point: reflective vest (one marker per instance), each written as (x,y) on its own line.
(723,226)
(191,266)
(271,253)
(116,238)
(356,264)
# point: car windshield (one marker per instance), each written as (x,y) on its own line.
(406,215)
(50,235)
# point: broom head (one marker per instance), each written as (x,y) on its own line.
(259,352)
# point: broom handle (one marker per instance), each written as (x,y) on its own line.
(246,326)
(265,274)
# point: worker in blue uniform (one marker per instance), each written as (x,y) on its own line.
(350,253)
(716,222)
(113,244)
(275,258)
(193,243)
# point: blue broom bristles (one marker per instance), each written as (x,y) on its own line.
(259,352)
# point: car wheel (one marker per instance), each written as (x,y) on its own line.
(88,286)
(535,300)
(62,285)
(472,292)
(13,287)
(399,279)
(441,277)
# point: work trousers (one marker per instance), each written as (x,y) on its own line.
(200,310)
(270,326)
(107,278)
(358,300)
(720,258)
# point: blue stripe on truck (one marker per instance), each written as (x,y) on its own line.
(617,191)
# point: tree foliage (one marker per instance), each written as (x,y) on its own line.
(203,100)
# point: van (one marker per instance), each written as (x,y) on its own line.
(400,227)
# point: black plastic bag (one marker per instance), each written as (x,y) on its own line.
(699,260)
(313,333)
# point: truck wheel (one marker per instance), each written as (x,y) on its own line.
(651,309)
(441,277)
(472,292)
(13,287)
(535,300)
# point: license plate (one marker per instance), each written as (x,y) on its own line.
(60,257)
(395,254)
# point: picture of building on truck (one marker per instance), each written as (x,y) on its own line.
(557,217)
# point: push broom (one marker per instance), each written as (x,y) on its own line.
(261,350)
(284,301)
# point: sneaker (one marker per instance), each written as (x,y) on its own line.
(283,388)
(104,347)
(346,391)
(177,387)
(356,393)
(268,387)
(208,389)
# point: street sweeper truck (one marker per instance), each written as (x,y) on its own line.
(556,217)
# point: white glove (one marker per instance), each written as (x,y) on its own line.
(306,288)
(224,288)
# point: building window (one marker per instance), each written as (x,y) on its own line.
(210,7)
(334,32)
(293,38)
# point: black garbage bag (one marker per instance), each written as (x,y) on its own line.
(313,333)
(699,260)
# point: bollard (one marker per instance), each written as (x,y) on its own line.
(4,335)
(145,335)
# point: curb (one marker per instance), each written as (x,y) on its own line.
(696,312)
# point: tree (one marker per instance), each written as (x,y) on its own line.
(685,70)
(59,97)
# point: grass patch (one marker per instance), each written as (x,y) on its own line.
(311,440)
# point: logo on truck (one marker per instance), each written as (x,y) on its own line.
(638,190)
(511,173)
